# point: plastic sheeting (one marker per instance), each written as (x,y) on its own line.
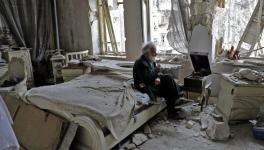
(8,139)
(177,30)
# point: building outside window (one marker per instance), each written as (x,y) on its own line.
(160,11)
(116,9)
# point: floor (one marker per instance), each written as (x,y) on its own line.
(175,136)
(169,134)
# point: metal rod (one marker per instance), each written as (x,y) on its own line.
(56,25)
(253,50)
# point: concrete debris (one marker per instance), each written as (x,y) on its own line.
(189,124)
(147,129)
(130,146)
(183,122)
(203,134)
(250,74)
(197,134)
(151,136)
(196,119)
(159,133)
(217,117)
(218,131)
(139,139)
(204,123)
(167,122)
(165,118)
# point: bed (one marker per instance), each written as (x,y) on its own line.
(103,104)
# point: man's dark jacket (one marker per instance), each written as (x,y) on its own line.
(145,73)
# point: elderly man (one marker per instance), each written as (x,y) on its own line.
(147,79)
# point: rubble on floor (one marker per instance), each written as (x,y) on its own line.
(139,139)
(199,130)
(218,130)
(130,146)
(258,126)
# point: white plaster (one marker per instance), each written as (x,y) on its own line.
(201,41)
(133,28)
(94,27)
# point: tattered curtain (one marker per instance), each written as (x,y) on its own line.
(30,21)
(178,26)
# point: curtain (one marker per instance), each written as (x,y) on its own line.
(30,21)
(178,24)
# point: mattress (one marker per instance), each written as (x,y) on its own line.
(107,99)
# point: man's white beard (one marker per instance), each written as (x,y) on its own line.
(153,59)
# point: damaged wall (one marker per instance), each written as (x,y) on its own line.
(74,25)
(133,28)
(93,14)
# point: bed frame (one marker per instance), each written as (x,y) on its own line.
(93,137)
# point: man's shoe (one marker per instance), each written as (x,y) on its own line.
(174,114)
(182,103)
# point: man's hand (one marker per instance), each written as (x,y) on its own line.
(142,85)
(157,81)
(158,68)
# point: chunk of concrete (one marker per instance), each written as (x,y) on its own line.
(218,131)
(151,136)
(147,129)
(130,146)
(189,124)
(139,139)
(204,124)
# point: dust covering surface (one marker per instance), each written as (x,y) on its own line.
(105,99)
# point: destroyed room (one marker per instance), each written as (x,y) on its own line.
(131,75)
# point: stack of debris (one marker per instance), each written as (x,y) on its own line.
(205,126)
(250,75)
(138,139)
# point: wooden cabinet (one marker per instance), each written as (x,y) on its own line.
(239,100)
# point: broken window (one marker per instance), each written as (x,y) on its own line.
(168,25)
(230,22)
(160,11)
(116,9)
(112,35)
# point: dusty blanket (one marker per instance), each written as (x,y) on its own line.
(106,99)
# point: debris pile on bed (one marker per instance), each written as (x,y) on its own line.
(249,75)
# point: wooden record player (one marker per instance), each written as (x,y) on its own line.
(199,78)
(197,85)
